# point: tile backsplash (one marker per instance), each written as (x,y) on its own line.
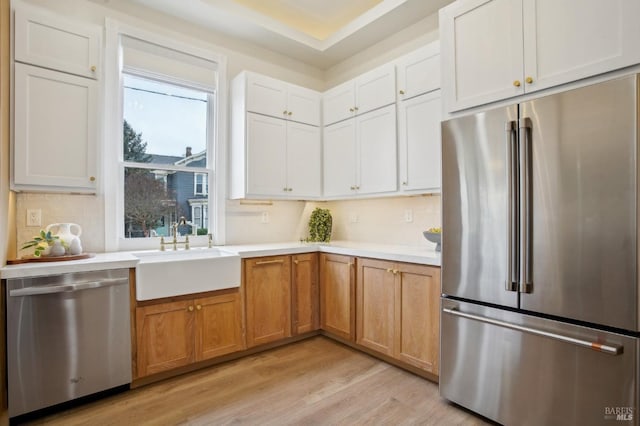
(395,220)
(85,210)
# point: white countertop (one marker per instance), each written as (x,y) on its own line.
(397,253)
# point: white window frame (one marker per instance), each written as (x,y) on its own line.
(113,164)
(205,184)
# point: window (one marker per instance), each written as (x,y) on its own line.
(165,128)
(200,184)
(165,125)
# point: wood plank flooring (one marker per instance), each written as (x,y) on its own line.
(313,382)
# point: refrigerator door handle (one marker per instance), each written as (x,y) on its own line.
(511,282)
(610,349)
(524,124)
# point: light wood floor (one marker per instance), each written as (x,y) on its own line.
(313,382)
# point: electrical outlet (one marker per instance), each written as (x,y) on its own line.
(408,215)
(265,217)
(34,217)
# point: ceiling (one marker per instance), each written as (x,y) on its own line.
(318,32)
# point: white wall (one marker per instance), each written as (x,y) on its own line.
(417,35)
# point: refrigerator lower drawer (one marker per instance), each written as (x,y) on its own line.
(519,369)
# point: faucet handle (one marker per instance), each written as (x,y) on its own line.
(210,240)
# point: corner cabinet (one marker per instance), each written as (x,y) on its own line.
(360,155)
(496,49)
(178,333)
(337,295)
(305,293)
(276,145)
(55,103)
(398,311)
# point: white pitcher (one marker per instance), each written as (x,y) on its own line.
(65,232)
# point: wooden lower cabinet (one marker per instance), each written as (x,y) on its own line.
(177,333)
(305,298)
(337,295)
(267,286)
(218,326)
(398,311)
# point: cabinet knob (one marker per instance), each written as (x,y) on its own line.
(351,109)
(356,108)
(290,189)
(296,261)
(353,188)
(529,80)
(516,83)
(198,307)
(389,270)
(284,112)
(289,113)
(404,183)
(285,189)
(92,178)
(93,68)
(190,309)
(402,92)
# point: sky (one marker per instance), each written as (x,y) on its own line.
(169,117)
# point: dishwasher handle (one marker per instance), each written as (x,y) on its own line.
(66,288)
(611,349)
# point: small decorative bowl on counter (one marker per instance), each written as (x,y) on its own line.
(435,236)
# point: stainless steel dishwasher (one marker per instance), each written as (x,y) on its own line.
(68,336)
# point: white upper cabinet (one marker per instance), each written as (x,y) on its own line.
(55,103)
(418,72)
(419,143)
(55,129)
(278,159)
(360,155)
(276,98)
(496,49)
(565,41)
(46,40)
(369,91)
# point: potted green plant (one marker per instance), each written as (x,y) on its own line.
(320,224)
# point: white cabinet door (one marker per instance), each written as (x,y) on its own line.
(304,156)
(419,142)
(375,89)
(46,40)
(339,163)
(303,105)
(481,52)
(266,155)
(377,151)
(419,72)
(266,95)
(338,103)
(55,129)
(566,41)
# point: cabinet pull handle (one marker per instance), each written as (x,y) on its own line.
(529,80)
(93,68)
(389,270)
(296,261)
(268,262)
(198,307)
(402,92)
(395,271)
(516,83)
(190,309)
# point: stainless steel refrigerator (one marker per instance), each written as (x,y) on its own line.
(540,307)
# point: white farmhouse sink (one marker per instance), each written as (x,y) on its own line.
(174,273)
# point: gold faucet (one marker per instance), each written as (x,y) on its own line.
(175,241)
